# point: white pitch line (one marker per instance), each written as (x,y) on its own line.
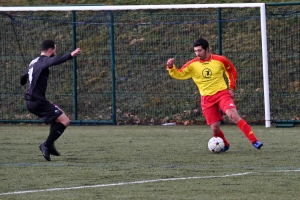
(137,182)
(123,183)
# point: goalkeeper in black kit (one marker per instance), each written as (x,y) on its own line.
(37,76)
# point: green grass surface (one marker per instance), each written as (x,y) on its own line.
(170,162)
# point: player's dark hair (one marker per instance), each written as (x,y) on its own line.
(47,44)
(201,42)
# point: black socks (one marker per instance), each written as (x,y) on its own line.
(56,130)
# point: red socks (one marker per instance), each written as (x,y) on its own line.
(221,135)
(246,129)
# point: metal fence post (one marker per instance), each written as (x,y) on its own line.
(112,54)
(74,63)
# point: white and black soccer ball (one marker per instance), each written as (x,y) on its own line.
(216,144)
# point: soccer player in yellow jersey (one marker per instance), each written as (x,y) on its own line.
(207,72)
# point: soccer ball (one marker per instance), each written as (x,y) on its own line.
(216,144)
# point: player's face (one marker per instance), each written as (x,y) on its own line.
(53,51)
(201,53)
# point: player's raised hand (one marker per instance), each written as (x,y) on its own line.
(75,52)
(170,63)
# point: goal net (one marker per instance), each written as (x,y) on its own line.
(120,77)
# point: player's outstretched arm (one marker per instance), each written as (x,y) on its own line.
(180,74)
(75,52)
(55,60)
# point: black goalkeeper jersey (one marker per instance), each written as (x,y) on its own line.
(37,73)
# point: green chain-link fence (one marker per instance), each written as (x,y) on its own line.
(144,40)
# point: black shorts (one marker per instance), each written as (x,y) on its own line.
(45,110)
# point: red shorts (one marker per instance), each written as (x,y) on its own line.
(211,105)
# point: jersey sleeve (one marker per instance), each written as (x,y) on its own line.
(181,74)
(231,74)
(56,60)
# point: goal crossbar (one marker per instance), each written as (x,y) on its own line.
(129,7)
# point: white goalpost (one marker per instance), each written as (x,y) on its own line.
(263,30)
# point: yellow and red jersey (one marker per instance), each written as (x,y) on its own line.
(208,74)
